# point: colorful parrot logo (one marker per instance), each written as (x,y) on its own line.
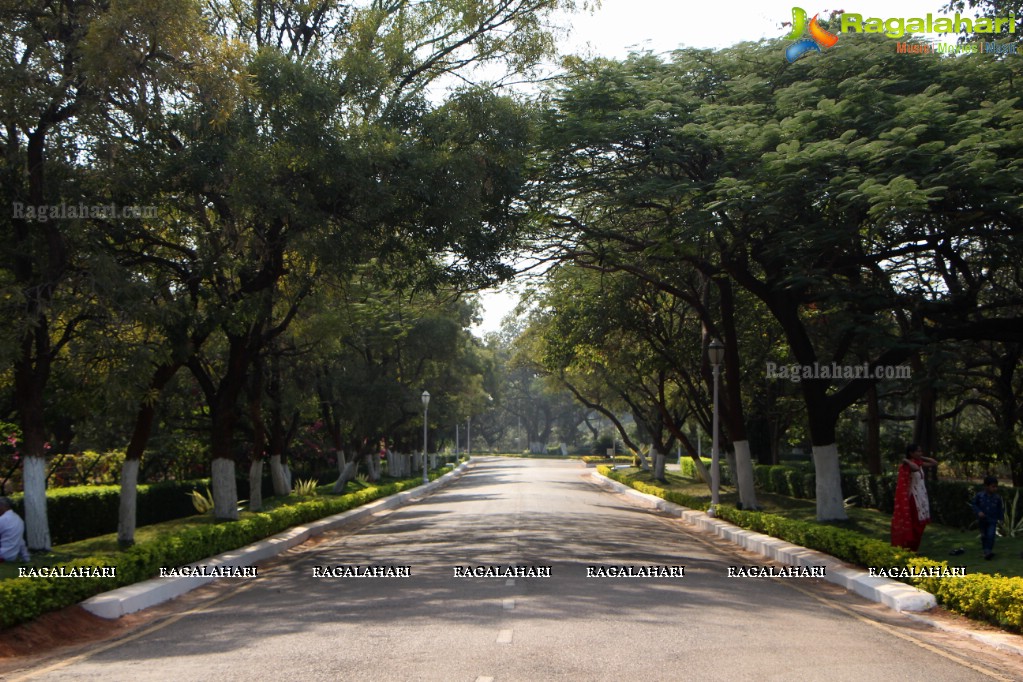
(818,36)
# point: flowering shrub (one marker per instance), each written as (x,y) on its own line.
(10,458)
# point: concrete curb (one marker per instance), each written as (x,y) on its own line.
(132,598)
(891,593)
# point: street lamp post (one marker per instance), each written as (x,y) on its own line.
(426,405)
(716,354)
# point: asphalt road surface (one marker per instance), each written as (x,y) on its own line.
(532,516)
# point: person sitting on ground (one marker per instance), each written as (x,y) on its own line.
(12,534)
(990,510)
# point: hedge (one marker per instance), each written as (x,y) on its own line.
(950,500)
(82,512)
(22,599)
(995,598)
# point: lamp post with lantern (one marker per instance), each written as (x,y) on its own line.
(716,355)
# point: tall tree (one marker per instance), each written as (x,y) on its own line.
(66,67)
(844,207)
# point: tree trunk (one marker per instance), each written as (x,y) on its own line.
(256,485)
(31,373)
(225,490)
(744,475)
(346,472)
(733,413)
(701,469)
(372,466)
(659,463)
(37,527)
(126,520)
(133,455)
(259,439)
(278,476)
(830,503)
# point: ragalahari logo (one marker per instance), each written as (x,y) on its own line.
(818,36)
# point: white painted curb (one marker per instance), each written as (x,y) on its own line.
(132,598)
(891,593)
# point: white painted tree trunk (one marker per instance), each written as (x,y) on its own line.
(659,463)
(346,474)
(744,474)
(830,503)
(126,519)
(225,490)
(37,525)
(280,480)
(644,460)
(373,467)
(256,485)
(701,470)
(537,448)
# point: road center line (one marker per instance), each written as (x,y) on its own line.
(504,637)
(509,604)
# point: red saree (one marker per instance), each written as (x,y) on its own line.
(912,511)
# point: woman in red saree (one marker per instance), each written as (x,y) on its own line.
(912,509)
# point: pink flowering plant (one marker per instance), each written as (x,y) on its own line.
(10,457)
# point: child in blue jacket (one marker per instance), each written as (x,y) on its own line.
(989,508)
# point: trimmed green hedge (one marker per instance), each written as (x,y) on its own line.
(82,512)
(22,599)
(950,500)
(993,598)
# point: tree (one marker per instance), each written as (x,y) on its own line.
(844,207)
(69,72)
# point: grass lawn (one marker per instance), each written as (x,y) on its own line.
(938,543)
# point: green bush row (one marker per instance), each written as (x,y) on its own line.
(82,512)
(22,599)
(599,459)
(950,500)
(993,598)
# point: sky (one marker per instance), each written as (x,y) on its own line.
(619,27)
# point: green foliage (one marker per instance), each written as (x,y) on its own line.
(950,500)
(83,512)
(306,488)
(202,502)
(1012,525)
(811,188)
(22,599)
(85,468)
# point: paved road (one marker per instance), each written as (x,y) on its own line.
(288,625)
